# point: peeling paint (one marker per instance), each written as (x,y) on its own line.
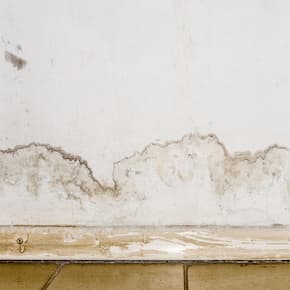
(179,182)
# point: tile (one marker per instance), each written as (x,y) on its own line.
(239,277)
(120,277)
(25,276)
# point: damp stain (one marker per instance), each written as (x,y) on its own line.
(195,160)
(177,182)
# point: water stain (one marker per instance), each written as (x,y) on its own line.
(175,162)
(179,182)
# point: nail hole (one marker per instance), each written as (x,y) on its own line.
(19,241)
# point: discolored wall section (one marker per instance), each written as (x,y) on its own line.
(176,183)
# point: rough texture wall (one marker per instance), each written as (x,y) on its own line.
(103,79)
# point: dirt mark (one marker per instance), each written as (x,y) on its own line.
(18,62)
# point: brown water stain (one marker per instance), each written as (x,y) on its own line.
(194,158)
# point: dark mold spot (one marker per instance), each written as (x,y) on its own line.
(18,62)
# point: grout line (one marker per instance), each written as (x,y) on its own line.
(53,276)
(185,277)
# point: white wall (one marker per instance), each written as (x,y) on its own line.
(103,79)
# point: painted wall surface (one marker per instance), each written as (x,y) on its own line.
(132,112)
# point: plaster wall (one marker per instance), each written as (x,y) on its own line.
(132,112)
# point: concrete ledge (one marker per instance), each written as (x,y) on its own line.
(144,243)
